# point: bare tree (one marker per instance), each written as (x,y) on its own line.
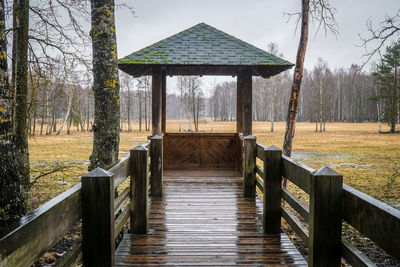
(388,29)
(321,12)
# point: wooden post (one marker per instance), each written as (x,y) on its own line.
(272,190)
(156,100)
(246,85)
(325,218)
(164,103)
(250,153)
(239,105)
(138,170)
(156,166)
(98,243)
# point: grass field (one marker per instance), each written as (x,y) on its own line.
(369,161)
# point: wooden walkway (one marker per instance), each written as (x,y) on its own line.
(206,221)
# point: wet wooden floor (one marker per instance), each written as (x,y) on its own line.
(206,221)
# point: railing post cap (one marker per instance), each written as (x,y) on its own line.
(139,148)
(273,148)
(250,137)
(98,173)
(156,137)
(326,171)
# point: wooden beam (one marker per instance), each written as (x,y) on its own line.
(246,84)
(138,169)
(250,153)
(272,190)
(164,103)
(325,218)
(239,105)
(156,166)
(98,243)
(156,100)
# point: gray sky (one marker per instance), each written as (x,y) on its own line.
(257,22)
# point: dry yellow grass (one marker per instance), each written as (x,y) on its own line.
(372,163)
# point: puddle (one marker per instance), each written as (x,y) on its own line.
(331,156)
(52,163)
(64,183)
(309,158)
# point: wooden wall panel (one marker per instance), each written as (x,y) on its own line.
(218,152)
(196,150)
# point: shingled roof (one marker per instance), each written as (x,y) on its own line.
(203,50)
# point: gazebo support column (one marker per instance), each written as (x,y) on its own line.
(156,100)
(164,103)
(239,105)
(246,86)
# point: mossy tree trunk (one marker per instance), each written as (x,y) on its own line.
(105,85)
(11,193)
(21,87)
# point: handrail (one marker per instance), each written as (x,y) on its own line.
(38,231)
(372,218)
(41,229)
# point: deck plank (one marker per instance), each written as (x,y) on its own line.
(206,221)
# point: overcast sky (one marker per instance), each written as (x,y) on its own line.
(257,22)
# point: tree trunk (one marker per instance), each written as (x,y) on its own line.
(14,61)
(129,110)
(68,111)
(140,111)
(54,118)
(145,109)
(12,201)
(87,110)
(394,104)
(69,124)
(21,84)
(105,85)
(297,77)
(320,104)
(272,115)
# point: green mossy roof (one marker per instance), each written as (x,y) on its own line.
(203,45)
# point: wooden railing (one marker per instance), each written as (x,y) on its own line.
(330,203)
(94,200)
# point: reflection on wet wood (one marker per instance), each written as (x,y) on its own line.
(205,221)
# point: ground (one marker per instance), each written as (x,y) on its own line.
(368,161)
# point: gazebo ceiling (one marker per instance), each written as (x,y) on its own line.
(203,50)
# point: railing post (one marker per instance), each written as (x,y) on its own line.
(272,190)
(98,243)
(138,170)
(325,218)
(250,154)
(156,166)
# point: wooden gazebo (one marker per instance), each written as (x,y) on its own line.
(202,50)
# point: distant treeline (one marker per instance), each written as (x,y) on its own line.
(340,95)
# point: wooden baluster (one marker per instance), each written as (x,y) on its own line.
(272,190)
(138,170)
(250,153)
(156,166)
(98,243)
(325,218)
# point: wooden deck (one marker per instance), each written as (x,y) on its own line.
(204,220)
